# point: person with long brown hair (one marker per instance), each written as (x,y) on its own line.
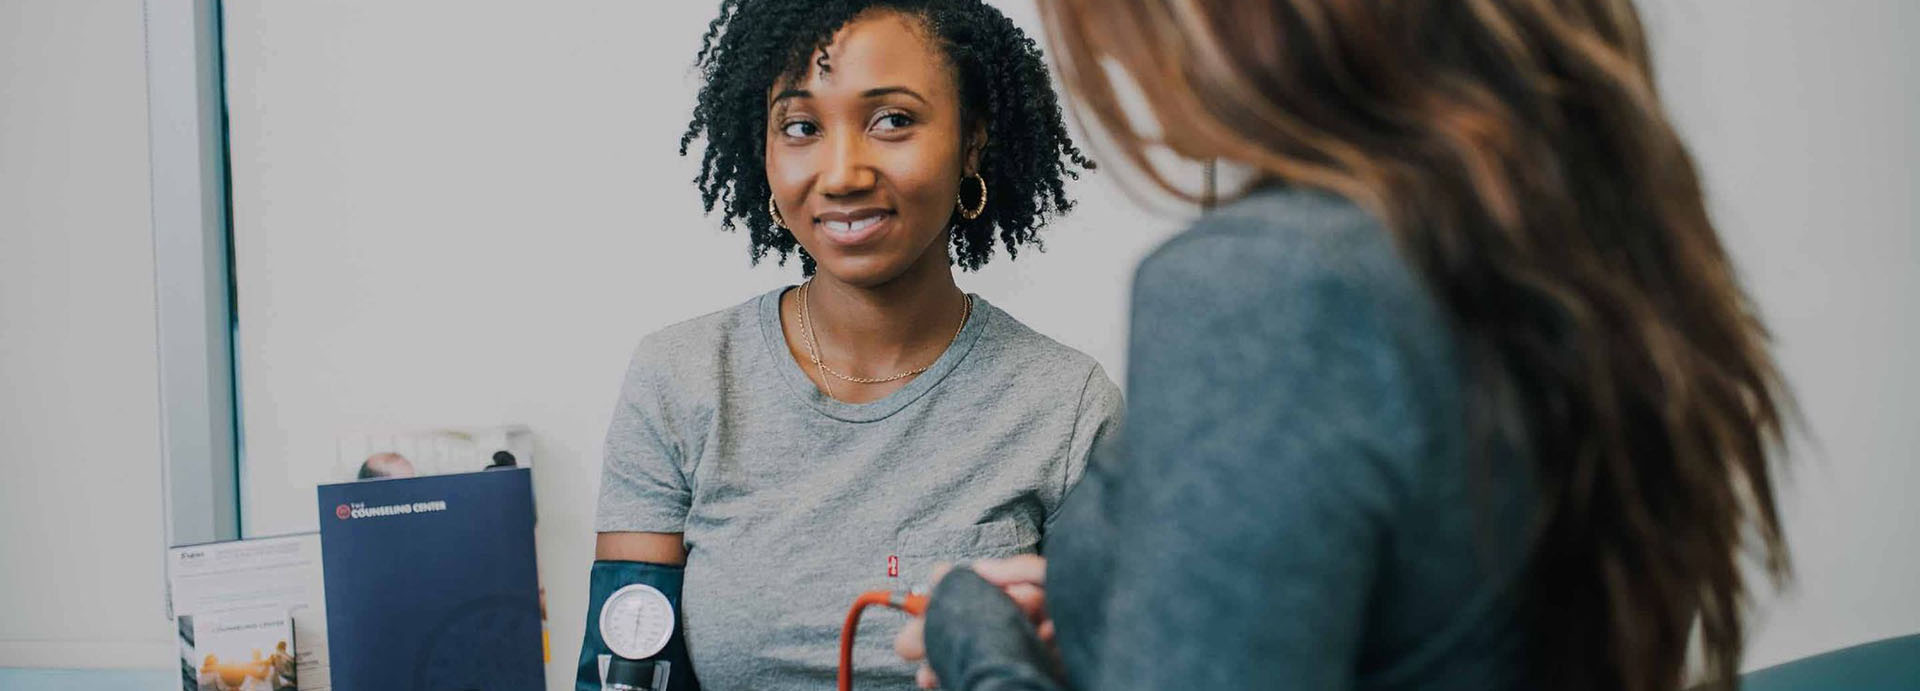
(1459,393)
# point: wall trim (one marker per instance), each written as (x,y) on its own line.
(186,113)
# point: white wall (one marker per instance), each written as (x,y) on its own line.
(81,539)
(1805,118)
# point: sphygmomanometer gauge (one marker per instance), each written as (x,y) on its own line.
(636,621)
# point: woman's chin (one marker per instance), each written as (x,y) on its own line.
(865,271)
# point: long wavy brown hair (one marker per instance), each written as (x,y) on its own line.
(1519,152)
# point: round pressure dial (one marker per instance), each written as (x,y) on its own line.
(636,622)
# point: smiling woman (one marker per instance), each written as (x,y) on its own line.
(768,463)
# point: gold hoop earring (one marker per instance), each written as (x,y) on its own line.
(974,212)
(774,211)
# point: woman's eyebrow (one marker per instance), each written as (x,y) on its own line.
(890,90)
(790,93)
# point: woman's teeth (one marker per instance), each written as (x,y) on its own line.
(849,227)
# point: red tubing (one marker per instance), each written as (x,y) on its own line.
(911,603)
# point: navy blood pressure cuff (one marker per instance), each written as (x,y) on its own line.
(608,578)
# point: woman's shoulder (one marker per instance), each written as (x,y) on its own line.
(1313,291)
(1288,244)
(710,329)
(701,344)
(1009,344)
(1008,339)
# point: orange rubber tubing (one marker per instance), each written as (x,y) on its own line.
(913,604)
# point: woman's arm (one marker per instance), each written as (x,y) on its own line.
(644,500)
(654,548)
(622,559)
(978,639)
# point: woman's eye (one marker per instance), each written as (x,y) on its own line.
(893,121)
(799,129)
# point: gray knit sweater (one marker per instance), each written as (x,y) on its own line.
(1291,504)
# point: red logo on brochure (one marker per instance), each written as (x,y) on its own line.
(342,512)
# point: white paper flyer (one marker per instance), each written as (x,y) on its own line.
(249,576)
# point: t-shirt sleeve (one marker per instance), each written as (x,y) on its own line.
(1101,408)
(643,483)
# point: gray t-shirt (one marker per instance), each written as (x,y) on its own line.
(793,503)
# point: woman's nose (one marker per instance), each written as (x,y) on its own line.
(848,171)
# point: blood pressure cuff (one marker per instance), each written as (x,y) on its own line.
(610,576)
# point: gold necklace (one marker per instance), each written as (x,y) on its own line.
(813,347)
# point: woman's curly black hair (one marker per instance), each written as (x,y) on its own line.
(1003,85)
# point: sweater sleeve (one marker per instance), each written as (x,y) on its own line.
(978,640)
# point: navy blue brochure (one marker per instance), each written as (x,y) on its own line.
(431,583)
